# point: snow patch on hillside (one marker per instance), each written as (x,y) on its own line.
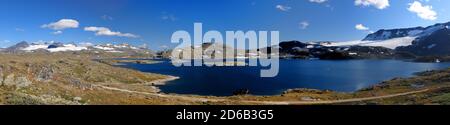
(345,43)
(390,43)
(103,48)
(67,47)
(431,46)
(414,32)
(35,47)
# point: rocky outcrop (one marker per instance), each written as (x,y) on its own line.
(22,82)
(1,79)
(241,92)
(16,98)
(304,90)
(80,84)
(45,74)
(18,82)
(1,75)
(9,80)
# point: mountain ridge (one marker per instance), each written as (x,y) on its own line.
(419,31)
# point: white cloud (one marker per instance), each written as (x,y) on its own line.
(361,27)
(103,31)
(106,17)
(318,1)
(283,8)
(423,11)
(62,24)
(57,32)
(304,25)
(380,4)
(169,17)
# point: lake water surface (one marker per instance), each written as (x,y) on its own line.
(344,76)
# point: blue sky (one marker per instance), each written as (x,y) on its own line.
(153,21)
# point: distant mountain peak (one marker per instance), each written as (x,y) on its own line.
(385,34)
(62,47)
(19,46)
(436,44)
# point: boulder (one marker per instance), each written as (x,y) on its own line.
(9,80)
(45,74)
(1,78)
(22,82)
(1,75)
(77,99)
(241,92)
(19,82)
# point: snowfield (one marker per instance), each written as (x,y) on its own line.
(390,43)
(35,47)
(103,48)
(67,47)
(73,47)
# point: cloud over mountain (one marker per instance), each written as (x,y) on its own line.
(423,11)
(361,27)
(62,24)
(103,31)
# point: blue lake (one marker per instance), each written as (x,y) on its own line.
(344,76)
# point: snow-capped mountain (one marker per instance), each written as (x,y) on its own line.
(297,49)
(119,48)
(405,32)
(16,48)
(61,47)
(388,43)
(437,44)
(53,47)
(431,40)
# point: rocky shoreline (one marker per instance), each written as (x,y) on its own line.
(160,82)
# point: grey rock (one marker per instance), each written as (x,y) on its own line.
(22,82)
(307,98)
(77,99)
(9,80)
(19,82)
(45,74)
(1,75)
(80,84)
(1,78)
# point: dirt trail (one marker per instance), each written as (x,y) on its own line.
(193,99)
(336,101)
(199,99)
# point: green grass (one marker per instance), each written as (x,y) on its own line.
(442,99)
